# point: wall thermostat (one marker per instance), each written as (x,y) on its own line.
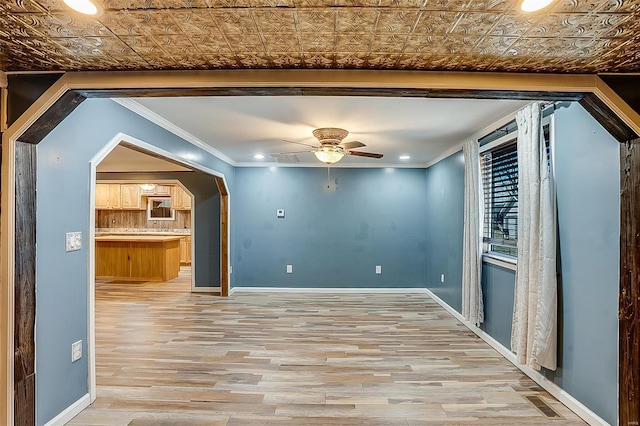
(280,213)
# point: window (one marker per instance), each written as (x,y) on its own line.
(499,169)
(159,208)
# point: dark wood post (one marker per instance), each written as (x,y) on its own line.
(629,307)
(25,284)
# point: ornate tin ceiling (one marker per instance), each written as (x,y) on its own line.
(571,36)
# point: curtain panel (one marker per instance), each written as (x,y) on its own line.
(534,328)
(472,303)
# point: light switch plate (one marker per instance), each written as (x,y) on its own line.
(378,269)
(289,269)
(76,351)
(74,241)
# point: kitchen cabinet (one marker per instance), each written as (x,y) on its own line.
(180,199)
(185,250)
(138,257)
(130,197)
(160,190)
(108,196)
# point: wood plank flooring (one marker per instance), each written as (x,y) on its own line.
(169,357)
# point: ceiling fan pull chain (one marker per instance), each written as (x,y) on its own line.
(328,177)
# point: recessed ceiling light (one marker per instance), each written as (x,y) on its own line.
(88,7)
(534,5)
(258,156)
(404,157)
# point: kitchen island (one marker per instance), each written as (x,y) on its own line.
(138,257)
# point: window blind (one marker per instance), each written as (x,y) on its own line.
(499,168)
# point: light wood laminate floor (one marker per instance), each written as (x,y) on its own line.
(169,357)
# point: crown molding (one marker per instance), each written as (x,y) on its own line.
(145,112)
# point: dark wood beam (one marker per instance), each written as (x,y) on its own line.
(25,284)
(629,304)
(333,91)
(607,118)
(52,117)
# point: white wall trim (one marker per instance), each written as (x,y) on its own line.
(560,394)
(71,411)
(145,112)
(205,289)
(504,263)
(364,290)
(117,139)
(3,80)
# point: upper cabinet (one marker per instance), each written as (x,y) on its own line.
(108,196)
(130,196)
(180,200)
(157,190)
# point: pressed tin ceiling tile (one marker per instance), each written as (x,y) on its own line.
(598,35)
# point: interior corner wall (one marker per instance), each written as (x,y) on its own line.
(587,168)
(206,210)
(588,188)
(63,185)
(333,237)
(444,228)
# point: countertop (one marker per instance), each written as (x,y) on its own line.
(139,238)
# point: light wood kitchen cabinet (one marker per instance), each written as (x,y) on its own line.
(108,196)
(180,200)
(185,250)
(130,197)
(161,190)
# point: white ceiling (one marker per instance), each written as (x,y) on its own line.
(123,159)
(240,127)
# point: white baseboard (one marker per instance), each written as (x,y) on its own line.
(205,289)
(560,394)
(397,290)
(71,411)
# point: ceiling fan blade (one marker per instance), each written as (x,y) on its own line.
(300,143)
(365,154)
(351,145)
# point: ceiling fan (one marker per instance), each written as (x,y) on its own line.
(331,149)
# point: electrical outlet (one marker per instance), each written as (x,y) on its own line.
(441,278)
(73,241)
(378,269)
(76,351)
(289,269)
(280,213)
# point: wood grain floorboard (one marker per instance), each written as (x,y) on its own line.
(166,356)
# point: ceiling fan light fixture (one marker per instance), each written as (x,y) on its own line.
(329,154)
(534,5)
(87,7)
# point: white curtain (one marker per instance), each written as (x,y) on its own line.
(533,334)
(472,305)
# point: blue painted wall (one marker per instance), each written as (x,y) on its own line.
(588,187)
(333,237)
(587,179)
(498,286)
(445,220)
(63,206)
